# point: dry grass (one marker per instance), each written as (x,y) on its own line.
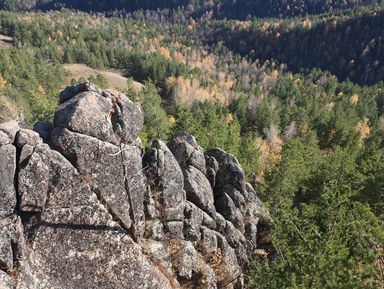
(9,110)
(114,78)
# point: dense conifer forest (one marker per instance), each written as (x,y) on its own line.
(294,89)
(231,9)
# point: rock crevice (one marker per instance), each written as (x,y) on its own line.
(83,206)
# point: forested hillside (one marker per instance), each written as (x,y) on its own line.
(238,9)
(285,96)
(349,44)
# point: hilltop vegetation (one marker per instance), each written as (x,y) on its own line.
(239,9)
(349,44)
(310,140)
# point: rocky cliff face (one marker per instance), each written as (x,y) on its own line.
(82,206)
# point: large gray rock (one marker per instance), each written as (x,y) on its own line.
(4,138)
(228,271)
(67,187)
(25,154)
(27,137)
(33,180)
(182,263)
(208,242)
(162,167)
(106,115)
(193,220)
(113,172)
(8,131)
(167,186)
(212,168)
(187,151)
(91,249)
(12,250)
(7,177)
(229,171)
(226,207)
(199,190)
(98,214)
(237,198)
(74,115)
(73,90)
(161,254)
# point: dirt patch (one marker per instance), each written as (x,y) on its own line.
(114,79)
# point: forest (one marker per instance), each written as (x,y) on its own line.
(347,44)
(294,89)
(230,9)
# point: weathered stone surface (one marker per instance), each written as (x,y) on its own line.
(154,229)
(113,117)
(8,132)
(6,253)
(163,167)
(193,221)
(91,255)
(212,163)
(136,186)
(185,258)
(7,175)
(174,229)
(187,151)
(27,137)
(73,90)
(225,264)
(229,172)
(75,116)
(25,153)
(208,242)
(33,180)
(127,119)
(4,138)
(182,263)
(114,173)
(199,190)
(212,168)
(220,223)
(234,237)
(12,250)
(237,198)
(226,207)
(167,186)
(209,222)
(25,277)
(91,250)
(66,186)
(160,254)
(5,281)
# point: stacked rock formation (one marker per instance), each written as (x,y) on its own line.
(82,206)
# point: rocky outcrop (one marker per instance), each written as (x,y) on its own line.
(83,206)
